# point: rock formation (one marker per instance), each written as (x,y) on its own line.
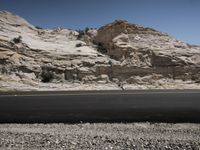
(117,55)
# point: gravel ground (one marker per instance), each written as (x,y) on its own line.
(100,136)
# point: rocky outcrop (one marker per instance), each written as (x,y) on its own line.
(144,51)
(119,53)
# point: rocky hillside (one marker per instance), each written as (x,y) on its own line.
(118,55)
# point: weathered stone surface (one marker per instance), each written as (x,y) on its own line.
(118,53)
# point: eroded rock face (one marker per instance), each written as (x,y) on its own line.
(144,51)
(118,53)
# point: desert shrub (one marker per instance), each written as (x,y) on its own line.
(17,40)
(79,44)
(81,34)
(87,29)
(37,27)
(101,48)
(47,75)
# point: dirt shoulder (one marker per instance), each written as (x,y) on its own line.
(100,136)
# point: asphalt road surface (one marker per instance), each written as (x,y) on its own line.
(100,106)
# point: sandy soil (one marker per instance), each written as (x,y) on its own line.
(100,136)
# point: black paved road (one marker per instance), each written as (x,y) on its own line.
(100,106)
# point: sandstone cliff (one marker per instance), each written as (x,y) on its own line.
(117,55)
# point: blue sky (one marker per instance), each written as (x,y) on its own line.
(179,18)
